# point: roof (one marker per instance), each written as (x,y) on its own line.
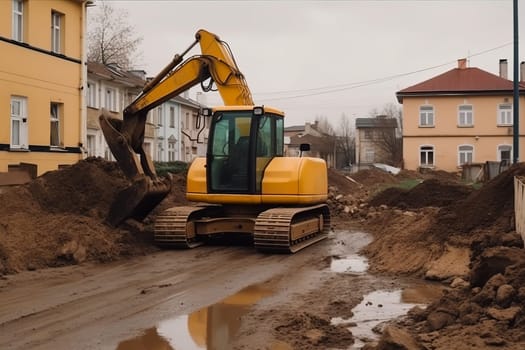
(375,123)
(116,74)
(295,128)
(461,81)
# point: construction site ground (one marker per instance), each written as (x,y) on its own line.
(446,250)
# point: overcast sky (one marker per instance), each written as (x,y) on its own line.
(326,58)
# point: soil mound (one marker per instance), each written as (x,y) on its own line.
(373,176)
(58,219)
(429,193)
(490,206)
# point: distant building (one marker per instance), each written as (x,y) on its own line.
(181,135)
(111,88)
(462,116)
(167,125)
(321,145)
(42,77)
(372,137)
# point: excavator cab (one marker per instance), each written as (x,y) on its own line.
(241,143)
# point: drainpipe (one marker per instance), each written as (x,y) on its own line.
(515,110)
(83,79)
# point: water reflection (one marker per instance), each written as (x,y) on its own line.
(211,328)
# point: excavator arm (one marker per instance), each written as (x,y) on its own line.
(125,137)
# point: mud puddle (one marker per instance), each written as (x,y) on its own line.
(378,306)
(381,306)
(212,327)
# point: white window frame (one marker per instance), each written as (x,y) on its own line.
(18,20)
(505,116)
(56,32)
(159,115)
(91,145)
(54,128)
(465,115)
(426,116)
(502,148)
(91,98)
(19,117)
(465,154)
(427,149)
(172,117)
(110,99)
(171,151)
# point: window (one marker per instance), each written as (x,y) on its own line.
(465,116)
(171,151)
(505,153)
(18,122)
(187,121)
(56,32)
(55,112)
(91,94)
(426,156)
(159,116)
(172,117)
(369,155)
(91,145)
(426,116)
(465,154)
(505,114)
(159,152)
(369,134)
(279,137)
(111,100)
(18,20)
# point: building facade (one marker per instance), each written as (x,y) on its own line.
(167,125)
(462,116)
(111,88)
(41,83)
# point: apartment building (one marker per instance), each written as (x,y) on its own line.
(464,115)
(111,88)
(41,83)
(181,135)
(172,128)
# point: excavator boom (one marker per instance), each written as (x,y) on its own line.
(125,137)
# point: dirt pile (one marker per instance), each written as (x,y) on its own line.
(433,192)
(486,305)
(58,219)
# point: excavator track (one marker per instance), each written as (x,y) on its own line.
(174,229)
(288,230)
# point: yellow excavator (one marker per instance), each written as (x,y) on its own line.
(245,185)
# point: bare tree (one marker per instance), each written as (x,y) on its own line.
(327,141)
(110,39)
(345,141)
(390,140)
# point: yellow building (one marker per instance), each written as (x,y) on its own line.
(42,75)
(462,116)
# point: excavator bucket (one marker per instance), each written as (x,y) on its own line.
(137,200)
(146,190)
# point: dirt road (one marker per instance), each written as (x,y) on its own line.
(106,307)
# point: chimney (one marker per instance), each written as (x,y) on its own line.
(503,68)
(522,71)
(462,63)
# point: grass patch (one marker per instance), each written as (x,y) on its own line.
(163,168)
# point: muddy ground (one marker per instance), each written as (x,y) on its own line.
(54,245)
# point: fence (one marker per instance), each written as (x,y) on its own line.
(519,205)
